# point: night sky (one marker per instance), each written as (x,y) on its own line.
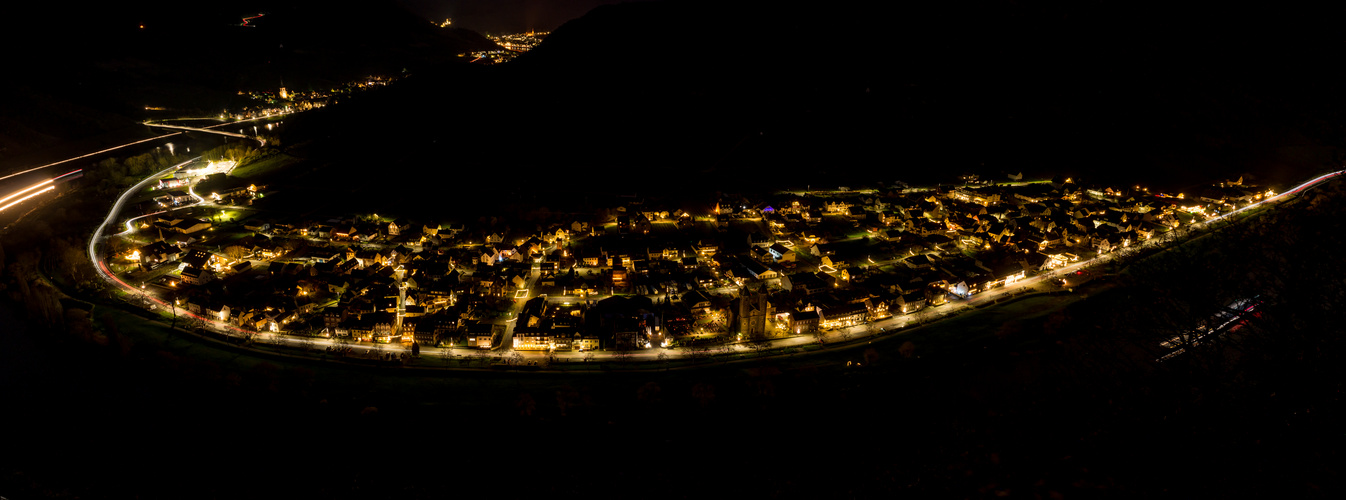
(504,16)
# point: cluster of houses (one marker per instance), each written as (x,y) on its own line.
(639,274)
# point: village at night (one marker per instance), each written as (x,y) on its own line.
(677,248)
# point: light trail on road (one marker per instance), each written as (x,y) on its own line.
(129,222)
(121,201)
(39,187)
(88,155)
(25,198)
(111,278)
(873,329)
(72,172)
(1294,190)
(24,190)
(206,130)
(114,148)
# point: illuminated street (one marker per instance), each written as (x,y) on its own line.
(996,249)
(841,338)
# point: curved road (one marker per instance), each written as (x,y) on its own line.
(854,332)
(5,201)
(97,237)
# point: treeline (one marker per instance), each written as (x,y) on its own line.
(1284,258)
(47,255)
(230,152)
(244,151)
(110,176)
(32,277)
(48,249)
(1256,396)
(241,153)
(1061,404)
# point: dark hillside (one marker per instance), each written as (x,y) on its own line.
(83,75)
(670,95)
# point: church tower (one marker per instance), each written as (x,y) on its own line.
(401,303)
(752,312)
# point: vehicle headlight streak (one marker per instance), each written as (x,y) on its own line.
(130,223)
(107,273)
(41,187)
(1296,190)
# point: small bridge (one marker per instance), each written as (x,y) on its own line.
(260,141)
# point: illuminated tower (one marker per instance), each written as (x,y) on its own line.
(401,308)
(752,312)
(401,275)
